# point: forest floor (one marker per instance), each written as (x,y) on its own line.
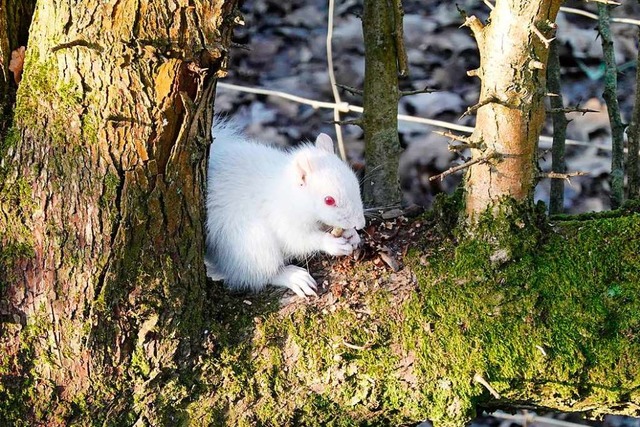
(399,329)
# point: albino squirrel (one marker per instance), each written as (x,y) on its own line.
(266,206)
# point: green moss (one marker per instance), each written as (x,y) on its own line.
(555,324)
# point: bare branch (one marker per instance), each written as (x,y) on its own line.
(558,175)
(355,122)
(465,165)
(478,378)
(474,108)
(475,24)
(545,41)
(572,110)
(447,134)
(489,4)
(466,141)
(401,51)
(609,2)
(473,73)
(351,90)
(417,92)
(356,347)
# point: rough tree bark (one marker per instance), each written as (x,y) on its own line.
(101,243)
(510,113)
(381,94)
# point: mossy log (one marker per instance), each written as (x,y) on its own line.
(102,180)
(555,327)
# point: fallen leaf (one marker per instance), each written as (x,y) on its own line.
(17,63)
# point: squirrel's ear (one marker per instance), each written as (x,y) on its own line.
(303,167)
(325,143)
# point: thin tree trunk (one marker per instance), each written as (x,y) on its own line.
(556,199)
(381,94)
(510,113)
(611,97)
(633,134)
(101,216)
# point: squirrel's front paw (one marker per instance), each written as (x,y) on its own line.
(352,237)
(297,279)
(336,246)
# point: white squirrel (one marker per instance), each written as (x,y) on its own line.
(266,206)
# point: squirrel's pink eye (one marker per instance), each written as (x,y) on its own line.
(329,201)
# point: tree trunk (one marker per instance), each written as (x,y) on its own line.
(510,113)
(381,93)
(558,165)
(610,96)
(101,211)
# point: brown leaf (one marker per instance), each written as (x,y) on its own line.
(390,261)
(17,62)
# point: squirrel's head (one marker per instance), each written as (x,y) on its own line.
(329,185)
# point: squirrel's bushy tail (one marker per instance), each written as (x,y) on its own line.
(225,129)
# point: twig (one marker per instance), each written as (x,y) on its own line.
(561,175)
(478,378)
(474,24)
(605,2)
(350,89)
(474,108)
(590,15)
(542,37)
(332,80)
(571,110)
(447,134)
(354,122)
(417,92)
(613,108)
(466,141)
(355,347)
(465,165)
(401,51)
(489,4)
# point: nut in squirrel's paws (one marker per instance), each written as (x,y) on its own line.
(297,279)
(352,237)
(336,246)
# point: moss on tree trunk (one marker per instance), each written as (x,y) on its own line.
(101,211)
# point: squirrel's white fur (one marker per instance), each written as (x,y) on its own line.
(266,206)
